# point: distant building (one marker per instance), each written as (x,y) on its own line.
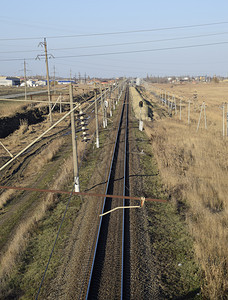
(9,81)
(41,82)
(65,81)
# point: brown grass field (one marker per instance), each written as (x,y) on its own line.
(51,167)
(194,168)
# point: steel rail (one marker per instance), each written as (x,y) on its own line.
(103,208)
(124,194)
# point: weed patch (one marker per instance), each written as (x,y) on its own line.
(171,242)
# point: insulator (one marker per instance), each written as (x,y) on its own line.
(85,134)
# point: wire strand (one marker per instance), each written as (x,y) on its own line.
(116,32)
(122,52)
(122,44)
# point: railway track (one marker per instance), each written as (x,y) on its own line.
(109,274)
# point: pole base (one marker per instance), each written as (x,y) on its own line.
(141,125)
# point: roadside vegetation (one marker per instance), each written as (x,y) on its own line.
(171,242)
(193,167)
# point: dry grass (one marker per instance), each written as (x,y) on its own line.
(45,156)
(19,242)
(195,169)
(37,163)
(6,196)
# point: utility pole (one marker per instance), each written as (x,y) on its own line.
(74,144)
(110,101)
(44,44)
(25,79)
(48,81)
(103,107)
(96,116)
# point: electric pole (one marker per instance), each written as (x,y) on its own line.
(74,144)
(96,116)
(48,81)
(44,44)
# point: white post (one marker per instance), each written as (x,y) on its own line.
(140,120)
(180,109)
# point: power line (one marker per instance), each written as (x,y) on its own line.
(123,44)
(116,32)
(143,50)
(124,52)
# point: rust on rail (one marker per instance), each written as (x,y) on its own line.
(79,193)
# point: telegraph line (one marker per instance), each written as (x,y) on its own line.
(116,32)
(123,44)
(125,52)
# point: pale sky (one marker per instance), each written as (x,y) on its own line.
(151,43)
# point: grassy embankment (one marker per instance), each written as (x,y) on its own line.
(170,239)
(193,166)
(24,261)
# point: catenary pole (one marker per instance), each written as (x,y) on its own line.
(96,117)
(74,143)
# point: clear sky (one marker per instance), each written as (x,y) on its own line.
(170,51)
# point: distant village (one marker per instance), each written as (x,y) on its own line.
(34,82)
(39,81)
(185,79)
